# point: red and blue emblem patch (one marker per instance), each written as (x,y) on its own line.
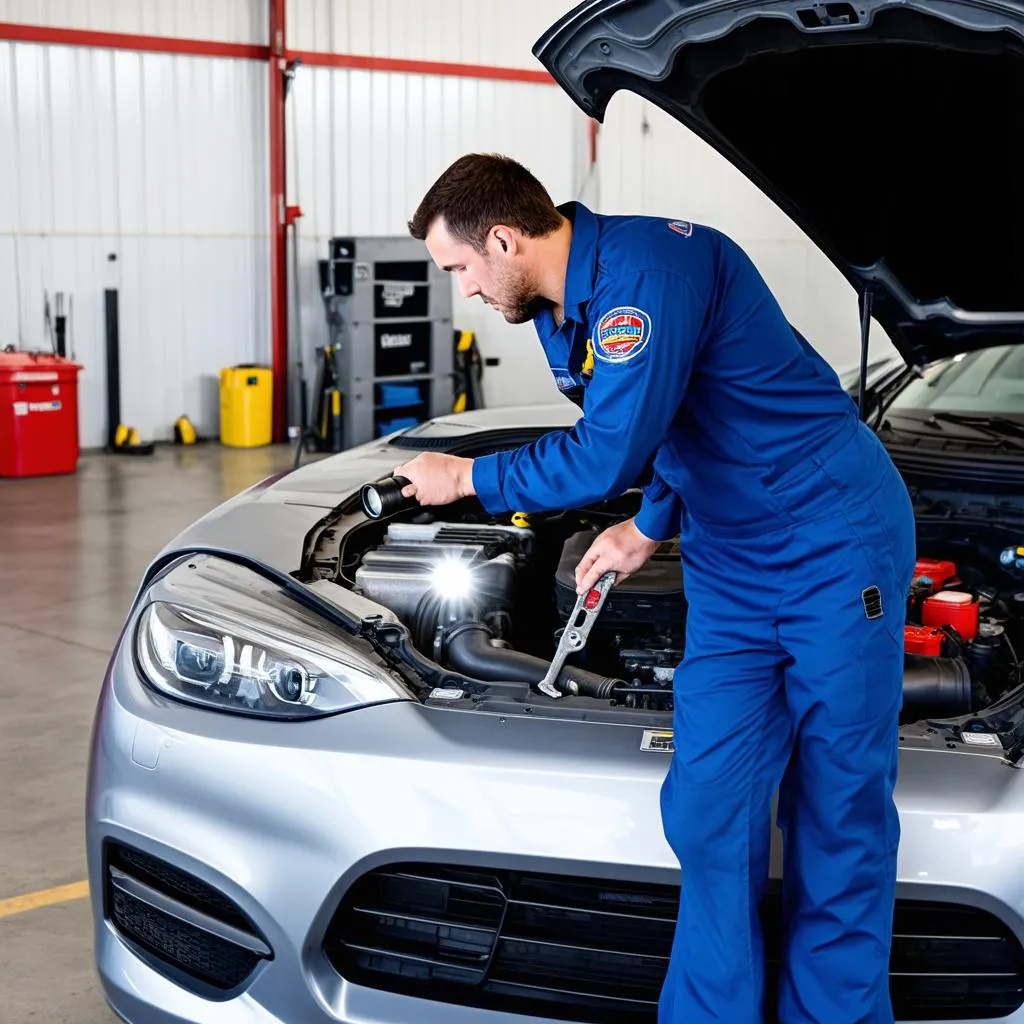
(622,334)
(681,227)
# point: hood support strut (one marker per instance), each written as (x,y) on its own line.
(867,298)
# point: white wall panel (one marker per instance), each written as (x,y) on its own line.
(228,21)
(649,163)
(160,162)
(460,31)
(365,146)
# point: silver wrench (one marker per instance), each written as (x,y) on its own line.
(577,629)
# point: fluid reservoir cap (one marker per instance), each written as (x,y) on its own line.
(952,597)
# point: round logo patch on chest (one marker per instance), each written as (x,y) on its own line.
(622,334)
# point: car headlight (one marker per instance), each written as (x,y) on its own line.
(275,665)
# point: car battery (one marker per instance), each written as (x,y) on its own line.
(38,414)
(923,640)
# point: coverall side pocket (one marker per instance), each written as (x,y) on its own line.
(872,538)
(880,665)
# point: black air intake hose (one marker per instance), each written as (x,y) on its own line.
(470,649)
(935,687)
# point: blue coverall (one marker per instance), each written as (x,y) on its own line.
(798,548)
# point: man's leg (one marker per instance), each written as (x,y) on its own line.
(836,808)
(732,740)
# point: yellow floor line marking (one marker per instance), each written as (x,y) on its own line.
(43,898)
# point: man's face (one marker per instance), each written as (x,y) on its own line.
(499,275)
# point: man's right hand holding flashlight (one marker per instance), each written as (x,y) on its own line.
(436,479)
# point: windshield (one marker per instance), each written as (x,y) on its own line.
(987,382)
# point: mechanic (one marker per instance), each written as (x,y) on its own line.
(798,548)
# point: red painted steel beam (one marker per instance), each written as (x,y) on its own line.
(400,65)
(278,227)
(251,51)
(127,41)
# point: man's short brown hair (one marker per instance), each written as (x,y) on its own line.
(480,190)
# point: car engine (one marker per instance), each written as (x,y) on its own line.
(488,600)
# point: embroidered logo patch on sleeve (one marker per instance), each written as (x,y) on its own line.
(681,227)
(622,334)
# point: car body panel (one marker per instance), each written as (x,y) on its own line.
(282,817)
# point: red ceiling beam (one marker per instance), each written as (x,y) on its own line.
(251,51)
(127,41)
(278,229)
(400,65)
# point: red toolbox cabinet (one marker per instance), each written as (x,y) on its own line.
(38,414)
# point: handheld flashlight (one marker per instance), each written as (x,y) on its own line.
(383,497)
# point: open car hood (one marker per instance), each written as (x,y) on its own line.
(891,131)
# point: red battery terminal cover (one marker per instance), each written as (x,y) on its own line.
(939,571)
(926,640)
(952,608)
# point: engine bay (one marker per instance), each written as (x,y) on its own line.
(487,599)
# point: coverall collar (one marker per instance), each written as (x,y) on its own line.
(579,272)
(581,269)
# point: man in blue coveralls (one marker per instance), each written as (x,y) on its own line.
(798,550)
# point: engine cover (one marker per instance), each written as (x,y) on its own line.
(416,560)
(648,603)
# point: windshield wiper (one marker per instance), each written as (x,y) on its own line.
(999,427)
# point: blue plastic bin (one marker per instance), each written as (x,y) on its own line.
(395,395)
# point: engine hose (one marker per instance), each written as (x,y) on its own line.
(936,687)
(469,648)
(424,620)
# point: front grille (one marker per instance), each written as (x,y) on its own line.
(181,921)
(595,951)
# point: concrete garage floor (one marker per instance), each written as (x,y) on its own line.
(72,550)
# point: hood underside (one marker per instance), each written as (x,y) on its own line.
(891,132)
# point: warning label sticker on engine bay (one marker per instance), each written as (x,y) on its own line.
(981,739)
(657,739)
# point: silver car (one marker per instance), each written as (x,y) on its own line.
(324,786)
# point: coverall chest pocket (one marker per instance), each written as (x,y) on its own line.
(572,366)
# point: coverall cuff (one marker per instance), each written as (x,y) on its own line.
(487,485)
(659,520)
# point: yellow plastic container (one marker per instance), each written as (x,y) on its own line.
(246,406)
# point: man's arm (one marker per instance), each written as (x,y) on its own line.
(660,510)
(645,342)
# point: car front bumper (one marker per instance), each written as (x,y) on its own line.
(282,818)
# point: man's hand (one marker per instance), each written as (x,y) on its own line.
(437,479)
(622,548)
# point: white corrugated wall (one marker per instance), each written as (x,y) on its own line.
(160,161)
(141,171)
(364,146)
(484,32)
(226,21)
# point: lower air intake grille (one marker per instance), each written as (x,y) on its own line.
(181,921)
(594,951)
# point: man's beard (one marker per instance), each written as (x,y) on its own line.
(525,308)
(521,303)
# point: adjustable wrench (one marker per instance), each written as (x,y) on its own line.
(577,629)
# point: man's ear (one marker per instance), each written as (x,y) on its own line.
(505,239)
